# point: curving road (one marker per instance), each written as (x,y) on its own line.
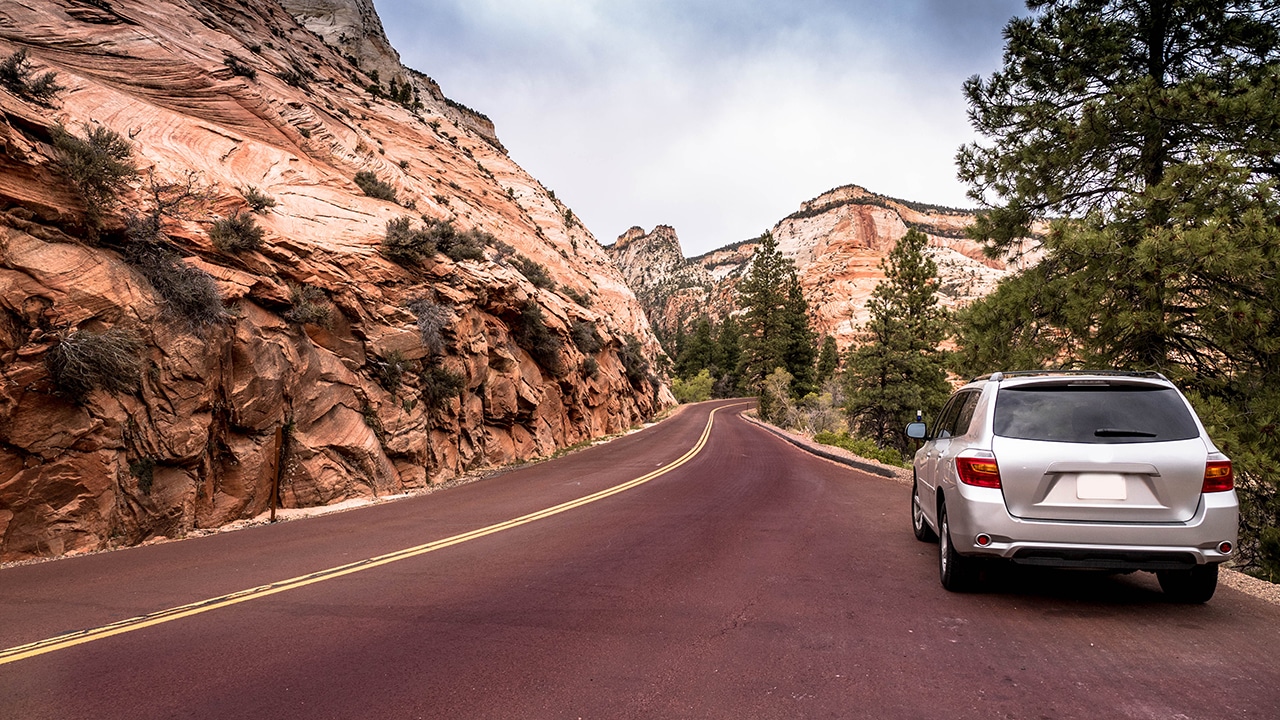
(702,568)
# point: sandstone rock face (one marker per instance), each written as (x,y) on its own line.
(353,26)
(837,242)
(341,391)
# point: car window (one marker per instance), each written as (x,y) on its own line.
(964,417)
(1099,414)
(942,428)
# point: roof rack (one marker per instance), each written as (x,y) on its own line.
(998,376)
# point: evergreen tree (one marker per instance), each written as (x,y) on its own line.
(1147,135)
(728,353)
(697,352)
(802,342)
(775,321)
(828,360)
(899,369)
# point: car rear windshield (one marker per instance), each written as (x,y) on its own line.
(1093,413)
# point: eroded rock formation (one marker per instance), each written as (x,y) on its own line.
(330,363)
(836,240)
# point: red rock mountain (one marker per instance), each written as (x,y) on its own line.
(836,240)
(355,375)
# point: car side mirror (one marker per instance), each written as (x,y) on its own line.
(917,431)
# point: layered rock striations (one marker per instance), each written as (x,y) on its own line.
(321,362)
(837,242)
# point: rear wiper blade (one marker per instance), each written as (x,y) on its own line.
(1118,432)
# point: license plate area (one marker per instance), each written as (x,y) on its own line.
(1101,486)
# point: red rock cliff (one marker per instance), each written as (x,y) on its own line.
(328,356)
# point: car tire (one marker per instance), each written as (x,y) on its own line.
(919,525)
(959,573)
(1196,585)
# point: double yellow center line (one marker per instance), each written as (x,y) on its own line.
(79,637)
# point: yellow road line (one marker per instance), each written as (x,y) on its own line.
(79,637)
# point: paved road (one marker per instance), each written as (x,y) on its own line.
(748,580)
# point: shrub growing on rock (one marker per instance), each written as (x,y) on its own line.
(310,306)
(532,334)
(439,385)
(389,371)
(258,201)
(432,320)
(585,337)
(240,67)
(236,233)
(535,272)
(466,245)
(99,165)
(403,243)
(16,75)
(633,361)
(83,361)
(189,292)
(373,187)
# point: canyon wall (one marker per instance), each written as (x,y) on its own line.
(837,241)
(319,360)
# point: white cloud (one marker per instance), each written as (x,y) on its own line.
(717,118)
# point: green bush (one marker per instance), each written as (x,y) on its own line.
(298,77)
(389,371)
(585,337)
(310,306)
(633,361)
(99,165)
(535,272)
(239,67)
(83,361)
(695,389)
(582,299)
(861,447)
(532,334)
(467,245)
(189,292)
(373,187)
(404,244)
(439,385)
(591,368)
(15,74)
(143,470)
(236,233)
(258,202)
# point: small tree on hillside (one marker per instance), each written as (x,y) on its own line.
(898,369)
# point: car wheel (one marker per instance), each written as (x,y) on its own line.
(1190,586)
(924,533)
(958,573)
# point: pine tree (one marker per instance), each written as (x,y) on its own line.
(1147,135)
(802,342)
(898,369)
(828,360)
(728,354)
(697,352)
(775,321)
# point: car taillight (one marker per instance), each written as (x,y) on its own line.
(979,472)
(1218,476)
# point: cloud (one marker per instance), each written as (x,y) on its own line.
(718,118)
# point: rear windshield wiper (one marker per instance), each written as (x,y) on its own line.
(1118,432)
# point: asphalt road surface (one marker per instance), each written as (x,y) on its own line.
(738,577)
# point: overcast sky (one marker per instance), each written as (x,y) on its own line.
(717,117)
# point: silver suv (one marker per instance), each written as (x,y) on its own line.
(1103,470)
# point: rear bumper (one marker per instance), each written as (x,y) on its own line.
(1117,546)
